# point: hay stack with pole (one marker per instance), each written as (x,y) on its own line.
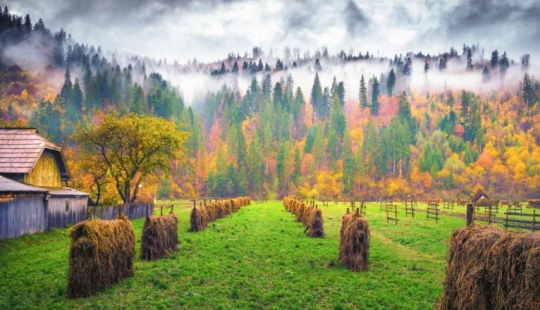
(101,254)
(354,244)
(315,224)
(479,193)
(200,217)
(159,236)
(490,268)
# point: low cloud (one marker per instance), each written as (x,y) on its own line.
(210,29)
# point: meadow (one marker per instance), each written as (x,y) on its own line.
(256,258)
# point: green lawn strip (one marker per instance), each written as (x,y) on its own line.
(256,258)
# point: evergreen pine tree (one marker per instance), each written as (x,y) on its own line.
(494,59)
(332,149)
(242,182)
(297,167)
(375,91)
(391,82)
(469,59)
(363,93)
(254,162)
(67,88)
(505,63)
(485,75)
(317,99)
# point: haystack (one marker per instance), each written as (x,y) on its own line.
(483,202)
(354,244)
(101,254)
(198,220)
(159,236)
(315,224)
(479,193)
(490,268)
(204,214)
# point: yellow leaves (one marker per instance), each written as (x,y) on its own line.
(306,192)
(490,149)
(130,148)
(329,183)
(357,135)
(396,188)
(420,181)
(312,193)
(50,94)
(500,174)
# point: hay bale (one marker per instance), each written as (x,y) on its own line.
(483,202)
(204,214)
(198,219)
(315,224)
(159,236)
(211,212)
(101,254)
(354,244)
(489,268)
(479,193)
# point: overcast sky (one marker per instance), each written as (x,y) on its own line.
(210,29)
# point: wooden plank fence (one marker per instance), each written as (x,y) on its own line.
(515,207)
(132,211)
(409,208)
(448,204)
(521,223)
(487,216)
(391,213)
(432,211)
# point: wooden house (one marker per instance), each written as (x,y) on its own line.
(32,196)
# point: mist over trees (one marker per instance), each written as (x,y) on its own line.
(383,135)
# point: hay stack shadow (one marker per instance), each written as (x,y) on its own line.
(354,244)
(101,254)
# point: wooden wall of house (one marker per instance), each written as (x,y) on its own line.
(46,172)
(19,216)
(62,212)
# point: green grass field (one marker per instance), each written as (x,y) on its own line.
(257,258)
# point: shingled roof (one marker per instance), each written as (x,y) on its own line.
(21,148)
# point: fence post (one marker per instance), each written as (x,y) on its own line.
(534,220)
(470,212)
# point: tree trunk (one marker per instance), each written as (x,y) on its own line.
(400,167)
(127,194)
